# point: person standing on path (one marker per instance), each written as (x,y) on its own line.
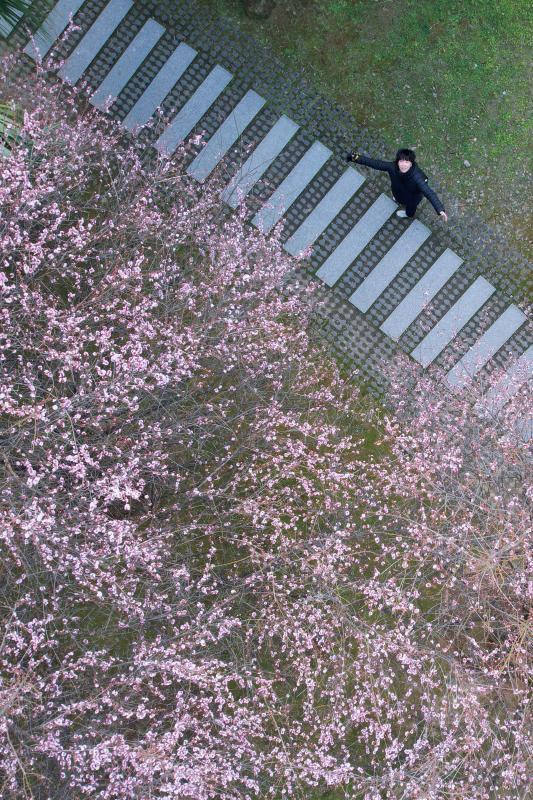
(408,182)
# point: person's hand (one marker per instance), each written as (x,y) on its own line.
(352,156)
(444,215)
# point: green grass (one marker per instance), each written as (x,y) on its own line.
(448,78)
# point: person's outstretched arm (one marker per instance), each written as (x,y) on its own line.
(428,192)
(374,163)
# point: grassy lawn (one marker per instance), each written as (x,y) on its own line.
(451,79)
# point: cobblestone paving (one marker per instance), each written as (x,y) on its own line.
(355,336)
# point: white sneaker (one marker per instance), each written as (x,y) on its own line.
(401,213)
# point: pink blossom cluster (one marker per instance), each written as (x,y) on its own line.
(225,573)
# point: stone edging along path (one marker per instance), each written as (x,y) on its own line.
(444,295)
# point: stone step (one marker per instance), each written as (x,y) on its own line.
(5,26)
(390,265)
(456,318)
(94,40)
(52,27)
(420,295)
(193,110)
(325,212)
(226,135)
(159,87)
(291,187)
(505,388)
(356,240)
(486,346)
(128,64)
(260,160)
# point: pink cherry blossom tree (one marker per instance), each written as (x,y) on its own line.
(226,574)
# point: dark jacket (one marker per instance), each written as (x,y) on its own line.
(407,187)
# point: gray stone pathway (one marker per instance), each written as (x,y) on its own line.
(485,347)
(420,295)
(6,28)
(56,21)
(324,213)
(291,187)
(261,159)
(193,110)
(356,240)
(390,265)
(451,323)
(155,93)
(128,64)
(443,296)
(228,133)
(97,35)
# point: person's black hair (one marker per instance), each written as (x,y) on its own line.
(405,155)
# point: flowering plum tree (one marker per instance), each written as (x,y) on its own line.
(216,583)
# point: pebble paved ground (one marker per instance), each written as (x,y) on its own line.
(446,295)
